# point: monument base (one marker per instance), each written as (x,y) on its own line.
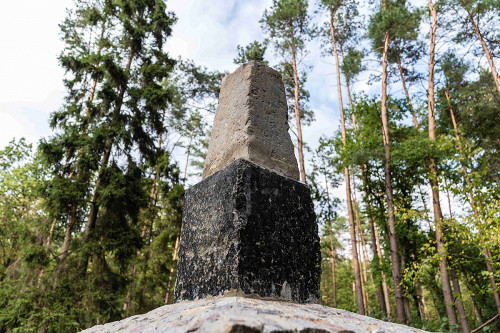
(249,231)
(246,315)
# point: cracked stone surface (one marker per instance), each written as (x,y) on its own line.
(246,315)
(251,122)
(249,231)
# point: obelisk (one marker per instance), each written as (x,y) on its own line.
(249,227)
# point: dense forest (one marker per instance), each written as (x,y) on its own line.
(90,219)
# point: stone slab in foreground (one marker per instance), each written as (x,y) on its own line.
(246,315)
(247,230)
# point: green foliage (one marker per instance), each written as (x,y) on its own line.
(395,18)
(288,26)
(253,51)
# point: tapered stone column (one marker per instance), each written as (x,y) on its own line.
(249,227)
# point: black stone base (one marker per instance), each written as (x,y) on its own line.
(249,231)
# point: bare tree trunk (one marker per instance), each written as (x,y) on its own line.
(381,295)
(172,270)
(438,215)
(396,269)
(414,116)
(352,228)
(297,111)
(426,210)
(364,251)
(460,304)
(406,301)
(487,52)
(348,86)
(384,277)
(332,247)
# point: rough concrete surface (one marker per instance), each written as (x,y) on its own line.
(251,122)
(248,230)
(246,315)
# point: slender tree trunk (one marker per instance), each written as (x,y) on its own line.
(297,110)
(438,215)
(403,81)
(448,197)
(426,210)
(396,269)
(487,52)
(364,251)
(348,86)
(460,304)
(172,270)
(384,277)
(381,295)
(422,308)
(352,228)
(332,247)
(406,301)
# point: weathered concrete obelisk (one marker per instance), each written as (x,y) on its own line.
(249,227)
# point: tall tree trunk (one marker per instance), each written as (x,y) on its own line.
(460,304)
(403,81)
(364,251)
(172,270)
(297,110)
(384,277)
(487,52)
(381,294)
(348,86)
(332,246)
(426,210)
(396,269)
(352,227)
(438,215)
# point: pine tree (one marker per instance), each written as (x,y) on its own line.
(288,25)
(106,137)
(253,51)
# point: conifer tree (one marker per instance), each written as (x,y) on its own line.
(288,26)
(253,51)
(333,7)
(381,30)
(433,179)
(106,137)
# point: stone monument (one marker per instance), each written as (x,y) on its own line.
(249,257)
(249,226)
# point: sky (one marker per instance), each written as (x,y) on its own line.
(207,32)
